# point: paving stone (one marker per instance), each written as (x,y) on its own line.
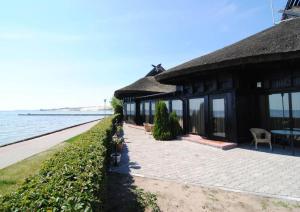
(243,168)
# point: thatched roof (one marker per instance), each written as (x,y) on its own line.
(276,43)
(146,86)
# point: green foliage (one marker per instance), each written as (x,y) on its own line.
(174,125)
(166,126)
(120,131)
(161,130)
(72,179)
(118,108)
(146,199)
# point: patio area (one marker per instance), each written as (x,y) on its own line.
(274,174)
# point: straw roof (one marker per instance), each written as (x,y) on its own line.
(146,86)
(274,44)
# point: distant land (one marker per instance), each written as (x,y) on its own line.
(89,108)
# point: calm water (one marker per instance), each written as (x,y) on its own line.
(14,127)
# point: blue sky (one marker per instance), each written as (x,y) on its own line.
(77,52)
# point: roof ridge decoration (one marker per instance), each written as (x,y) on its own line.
(157,69)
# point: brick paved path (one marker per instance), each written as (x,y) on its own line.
(270,174)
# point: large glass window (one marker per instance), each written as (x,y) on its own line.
(142,112)
(177,107)
(125,111)
(147,112)
(296,110)
(167,104)
(132,109)
(152,111)
(218,117)
(279,111)
(196,116)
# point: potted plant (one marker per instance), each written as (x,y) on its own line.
(119,144)
(120,131)
(116,158)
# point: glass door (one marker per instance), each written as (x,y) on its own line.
(197,116)
(218,116)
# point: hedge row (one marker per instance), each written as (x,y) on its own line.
(73,179)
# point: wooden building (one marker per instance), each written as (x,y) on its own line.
(252,83)
(140,97)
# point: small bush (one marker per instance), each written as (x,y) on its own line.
(161,130)
(166,126)
(72,180)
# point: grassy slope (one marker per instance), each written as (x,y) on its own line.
(12,176)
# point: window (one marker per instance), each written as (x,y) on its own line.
(167,104)
(130,111)
(296,110)
(152,111)
(142,112)
(177,107)
(218,117)
(279,111)
(147,112)
(196,116)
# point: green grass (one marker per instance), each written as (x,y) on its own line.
(13,176)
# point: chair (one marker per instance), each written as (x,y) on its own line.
(261,136)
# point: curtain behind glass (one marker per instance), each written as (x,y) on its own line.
(142,112)
(196,116)
(296,110)
(218,117)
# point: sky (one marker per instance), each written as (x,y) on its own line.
(69,53)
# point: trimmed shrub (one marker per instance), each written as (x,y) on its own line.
(166,126)
(161,130)
(118,108)
(174,125)
(73,179)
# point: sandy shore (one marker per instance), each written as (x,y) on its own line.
(19,151)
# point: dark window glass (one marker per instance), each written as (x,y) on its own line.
(142,112)
(218,117)
(279,111)
(296,110)
(131,111)
(177,107)
(125,111)
(147,112)
(152,112)
(196,116)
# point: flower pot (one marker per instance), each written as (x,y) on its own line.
(119,147)
(148,127)
(116,158)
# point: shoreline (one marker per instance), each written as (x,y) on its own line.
(13,153)
(48,133)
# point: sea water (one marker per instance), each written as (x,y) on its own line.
(14,127)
